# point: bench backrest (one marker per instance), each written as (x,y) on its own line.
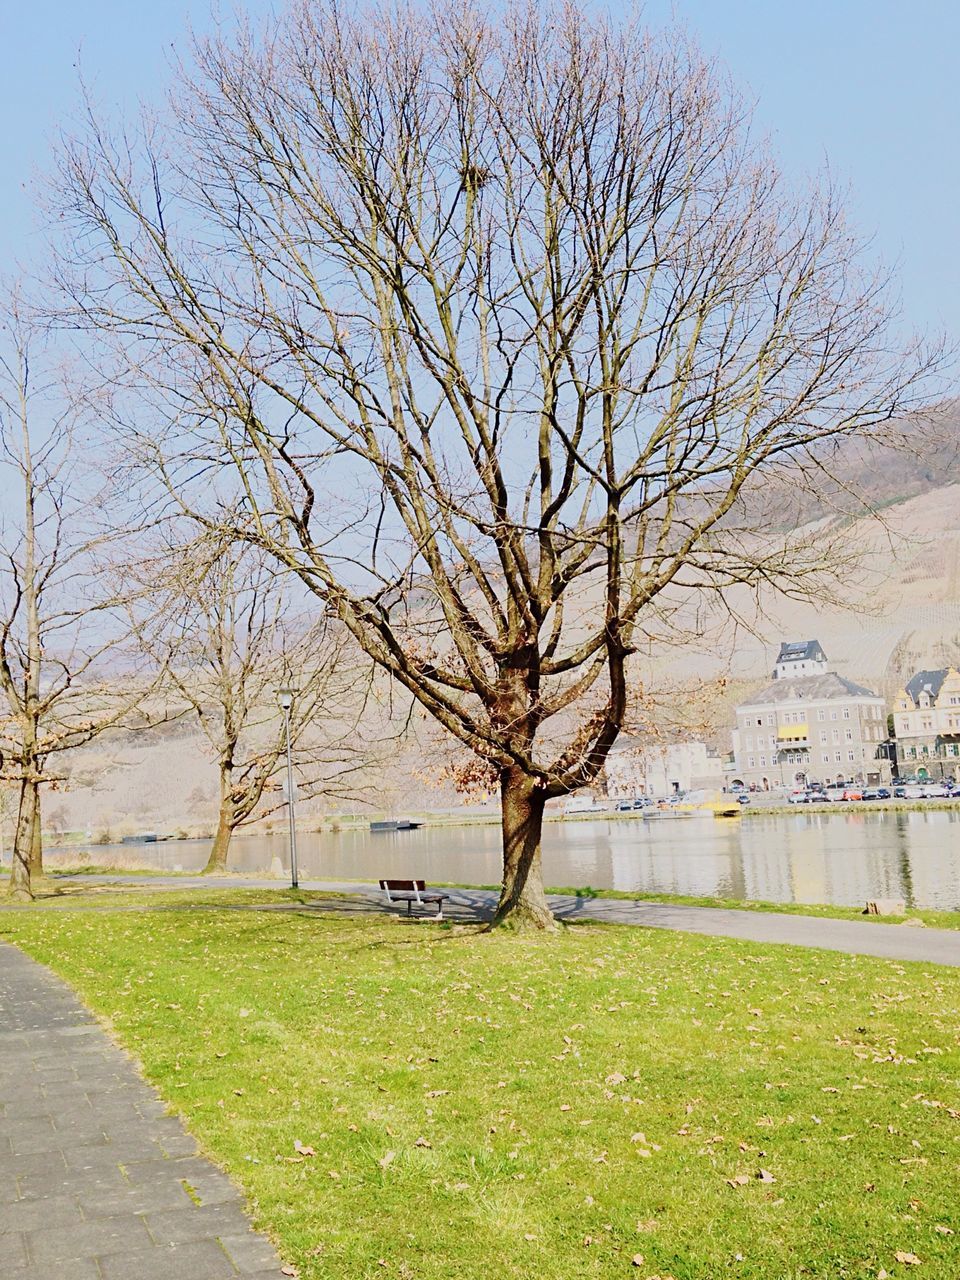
(415,887)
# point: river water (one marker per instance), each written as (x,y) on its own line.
(841,858)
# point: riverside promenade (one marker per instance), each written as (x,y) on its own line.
(97,1182)
(853,937)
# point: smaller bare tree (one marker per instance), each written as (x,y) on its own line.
(62,621)
(229,639)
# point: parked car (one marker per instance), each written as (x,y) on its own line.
(935,791)
(798,797)
(884,793)
(853,793)
(743,798)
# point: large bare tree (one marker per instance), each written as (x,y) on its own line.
(222,625)
(64,678)
(481,321)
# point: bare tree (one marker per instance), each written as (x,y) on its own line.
(61,616)
(481,322)
(221,623)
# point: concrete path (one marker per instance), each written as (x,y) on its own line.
(96,1181)
(854,937)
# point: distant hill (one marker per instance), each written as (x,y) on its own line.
(900,461)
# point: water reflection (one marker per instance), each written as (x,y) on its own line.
(841,858)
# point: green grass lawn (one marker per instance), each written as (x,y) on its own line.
(599,1103)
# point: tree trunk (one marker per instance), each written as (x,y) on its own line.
(523,904)
(27,816)
(217,861)
(36,843)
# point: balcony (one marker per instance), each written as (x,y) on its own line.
(793,737)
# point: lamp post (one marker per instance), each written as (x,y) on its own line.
(285,697)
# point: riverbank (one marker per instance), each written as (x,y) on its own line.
(842,857)
(544,1106)
(107,883)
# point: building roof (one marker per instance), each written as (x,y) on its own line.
(801,651)
(810,688)
(932,681)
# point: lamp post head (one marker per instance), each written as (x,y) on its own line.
(285,698)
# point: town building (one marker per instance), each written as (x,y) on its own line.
(926,722)
(644,767)
(810,724)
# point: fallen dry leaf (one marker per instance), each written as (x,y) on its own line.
(909,1259)
(302,1150)
(386,1159)
(423,1142)
(740,1180)
(289,1271)
(765,1176)
(637,1260)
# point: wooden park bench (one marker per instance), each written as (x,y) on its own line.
(414,891)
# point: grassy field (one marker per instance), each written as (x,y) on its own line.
(432,1102)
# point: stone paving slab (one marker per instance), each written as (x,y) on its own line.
(94,1175)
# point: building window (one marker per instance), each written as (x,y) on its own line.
(826,757)
(838,756)
(846,713)
(833,714)
(850,755)
(836,735)
(750,762)
(848,735)
(821,714)
(823,735)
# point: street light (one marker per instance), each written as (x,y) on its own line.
(285,697)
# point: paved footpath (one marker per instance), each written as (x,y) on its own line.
(854,937)
(97,1182)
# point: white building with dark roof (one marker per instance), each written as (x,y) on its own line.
(926,721)
(645,767)
(809,725)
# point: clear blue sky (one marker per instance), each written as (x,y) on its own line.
(871,86)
